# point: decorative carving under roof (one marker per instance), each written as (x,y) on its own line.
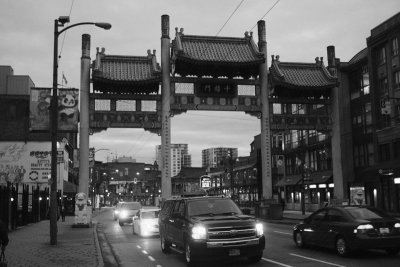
(306,79)
(215,56)
(126,74)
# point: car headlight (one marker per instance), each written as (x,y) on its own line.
(198,232)
(363,228)
(397,225)
(123,214)
(116,211)
(259,229)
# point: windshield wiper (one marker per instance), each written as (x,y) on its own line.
(228,213)
(204,214)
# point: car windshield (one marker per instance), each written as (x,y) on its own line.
(131,206)
(207,207)
(150,214)
(365,213)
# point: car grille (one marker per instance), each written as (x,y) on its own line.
(231,233)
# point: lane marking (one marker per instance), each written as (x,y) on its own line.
(144,252)
(139,247)
(283,233)
(151,258)
(312,259)
(278,263)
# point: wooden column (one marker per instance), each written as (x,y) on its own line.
(265,125)
(165,110)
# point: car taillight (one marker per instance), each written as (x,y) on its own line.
(363,228)
(397,226)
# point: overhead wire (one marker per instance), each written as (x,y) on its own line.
(65,33)
(265,14)
(226,22)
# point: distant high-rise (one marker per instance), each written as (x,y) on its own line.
(179,158)
(211,157)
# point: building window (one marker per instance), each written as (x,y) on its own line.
(364,80)
(396,149)
(382,56)
(396,80)
(384,86)
(395,46)
(384,152)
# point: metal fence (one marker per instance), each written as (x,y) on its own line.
(21,204)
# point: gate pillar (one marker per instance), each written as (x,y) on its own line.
(338,142)
(165,110)
(265,124)
(84,117)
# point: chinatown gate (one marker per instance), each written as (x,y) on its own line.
(215,74)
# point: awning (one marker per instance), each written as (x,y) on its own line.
(374,173)
(69,187)
(323,177)
(290,180)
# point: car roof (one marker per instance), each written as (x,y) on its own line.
(196,198)
(144,209)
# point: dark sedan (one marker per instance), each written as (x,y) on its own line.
(349,228)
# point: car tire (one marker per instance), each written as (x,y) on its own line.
(164,244)
(189,256)
(392,251)
(298,239)
(341,246)
(256,258)
(121,223)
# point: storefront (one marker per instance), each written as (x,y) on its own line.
(318,190)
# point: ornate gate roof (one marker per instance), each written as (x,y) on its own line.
(126,74)
(215,56)
(308,79)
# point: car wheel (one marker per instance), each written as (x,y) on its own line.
(164,244)
(256,258)
(188,255)
(341,246)
(121,223)
(392,251)
(298,239)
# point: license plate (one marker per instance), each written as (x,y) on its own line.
(384,230)
(234,252)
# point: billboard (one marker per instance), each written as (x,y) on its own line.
(68,109)
(29,162)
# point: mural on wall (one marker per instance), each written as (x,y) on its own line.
(68,109)
(25,162)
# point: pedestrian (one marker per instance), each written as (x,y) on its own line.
(62,212)
(3,236)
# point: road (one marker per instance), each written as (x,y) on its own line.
(132,250)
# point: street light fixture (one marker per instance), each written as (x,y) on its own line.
(60,22)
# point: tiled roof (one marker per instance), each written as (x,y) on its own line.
(191,172)
(209,52)
(126,69)
(301,75)
(363,54)
(217,49)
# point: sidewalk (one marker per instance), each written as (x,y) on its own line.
(30,245)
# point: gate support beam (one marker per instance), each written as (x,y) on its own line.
(165,110)
(265,124)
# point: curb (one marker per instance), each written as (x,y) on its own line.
(107,254)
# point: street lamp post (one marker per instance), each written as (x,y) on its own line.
(60,22)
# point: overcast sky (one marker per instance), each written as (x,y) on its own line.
(297,31)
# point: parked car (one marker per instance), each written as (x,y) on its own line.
(209,228)
(145,223)
(117,210)
(127,211)
(349,228)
